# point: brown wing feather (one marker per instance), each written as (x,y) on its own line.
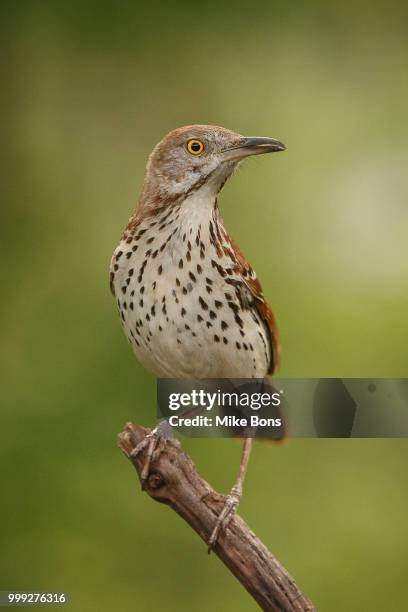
(263,309)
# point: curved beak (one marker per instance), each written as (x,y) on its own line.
(253,145)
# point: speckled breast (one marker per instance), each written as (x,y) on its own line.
(184,308)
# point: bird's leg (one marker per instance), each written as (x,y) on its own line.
(161,431)
(234,497)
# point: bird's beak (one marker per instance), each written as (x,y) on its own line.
(252,145)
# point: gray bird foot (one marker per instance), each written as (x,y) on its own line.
(230,507)
(161,432)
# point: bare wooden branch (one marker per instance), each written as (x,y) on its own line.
(174,480)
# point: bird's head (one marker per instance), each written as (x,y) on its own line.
(196,157)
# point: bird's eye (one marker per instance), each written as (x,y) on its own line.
(194,146)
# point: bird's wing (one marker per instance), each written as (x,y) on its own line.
(258,302)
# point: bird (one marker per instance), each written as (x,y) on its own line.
(190,304)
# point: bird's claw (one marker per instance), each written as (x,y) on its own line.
(230,507)
(150,441)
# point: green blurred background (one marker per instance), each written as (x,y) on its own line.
(88,88)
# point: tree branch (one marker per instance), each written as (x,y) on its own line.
(174,480)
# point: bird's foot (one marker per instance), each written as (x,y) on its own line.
(230,507)
(161,432)
(150,442)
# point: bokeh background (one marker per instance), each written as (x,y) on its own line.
(87,89)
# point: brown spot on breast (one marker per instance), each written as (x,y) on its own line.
(203,304)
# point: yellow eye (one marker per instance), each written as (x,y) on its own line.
(195,147)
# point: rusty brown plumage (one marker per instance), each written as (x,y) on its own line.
(259,303)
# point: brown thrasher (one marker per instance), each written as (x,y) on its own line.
(191,305)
